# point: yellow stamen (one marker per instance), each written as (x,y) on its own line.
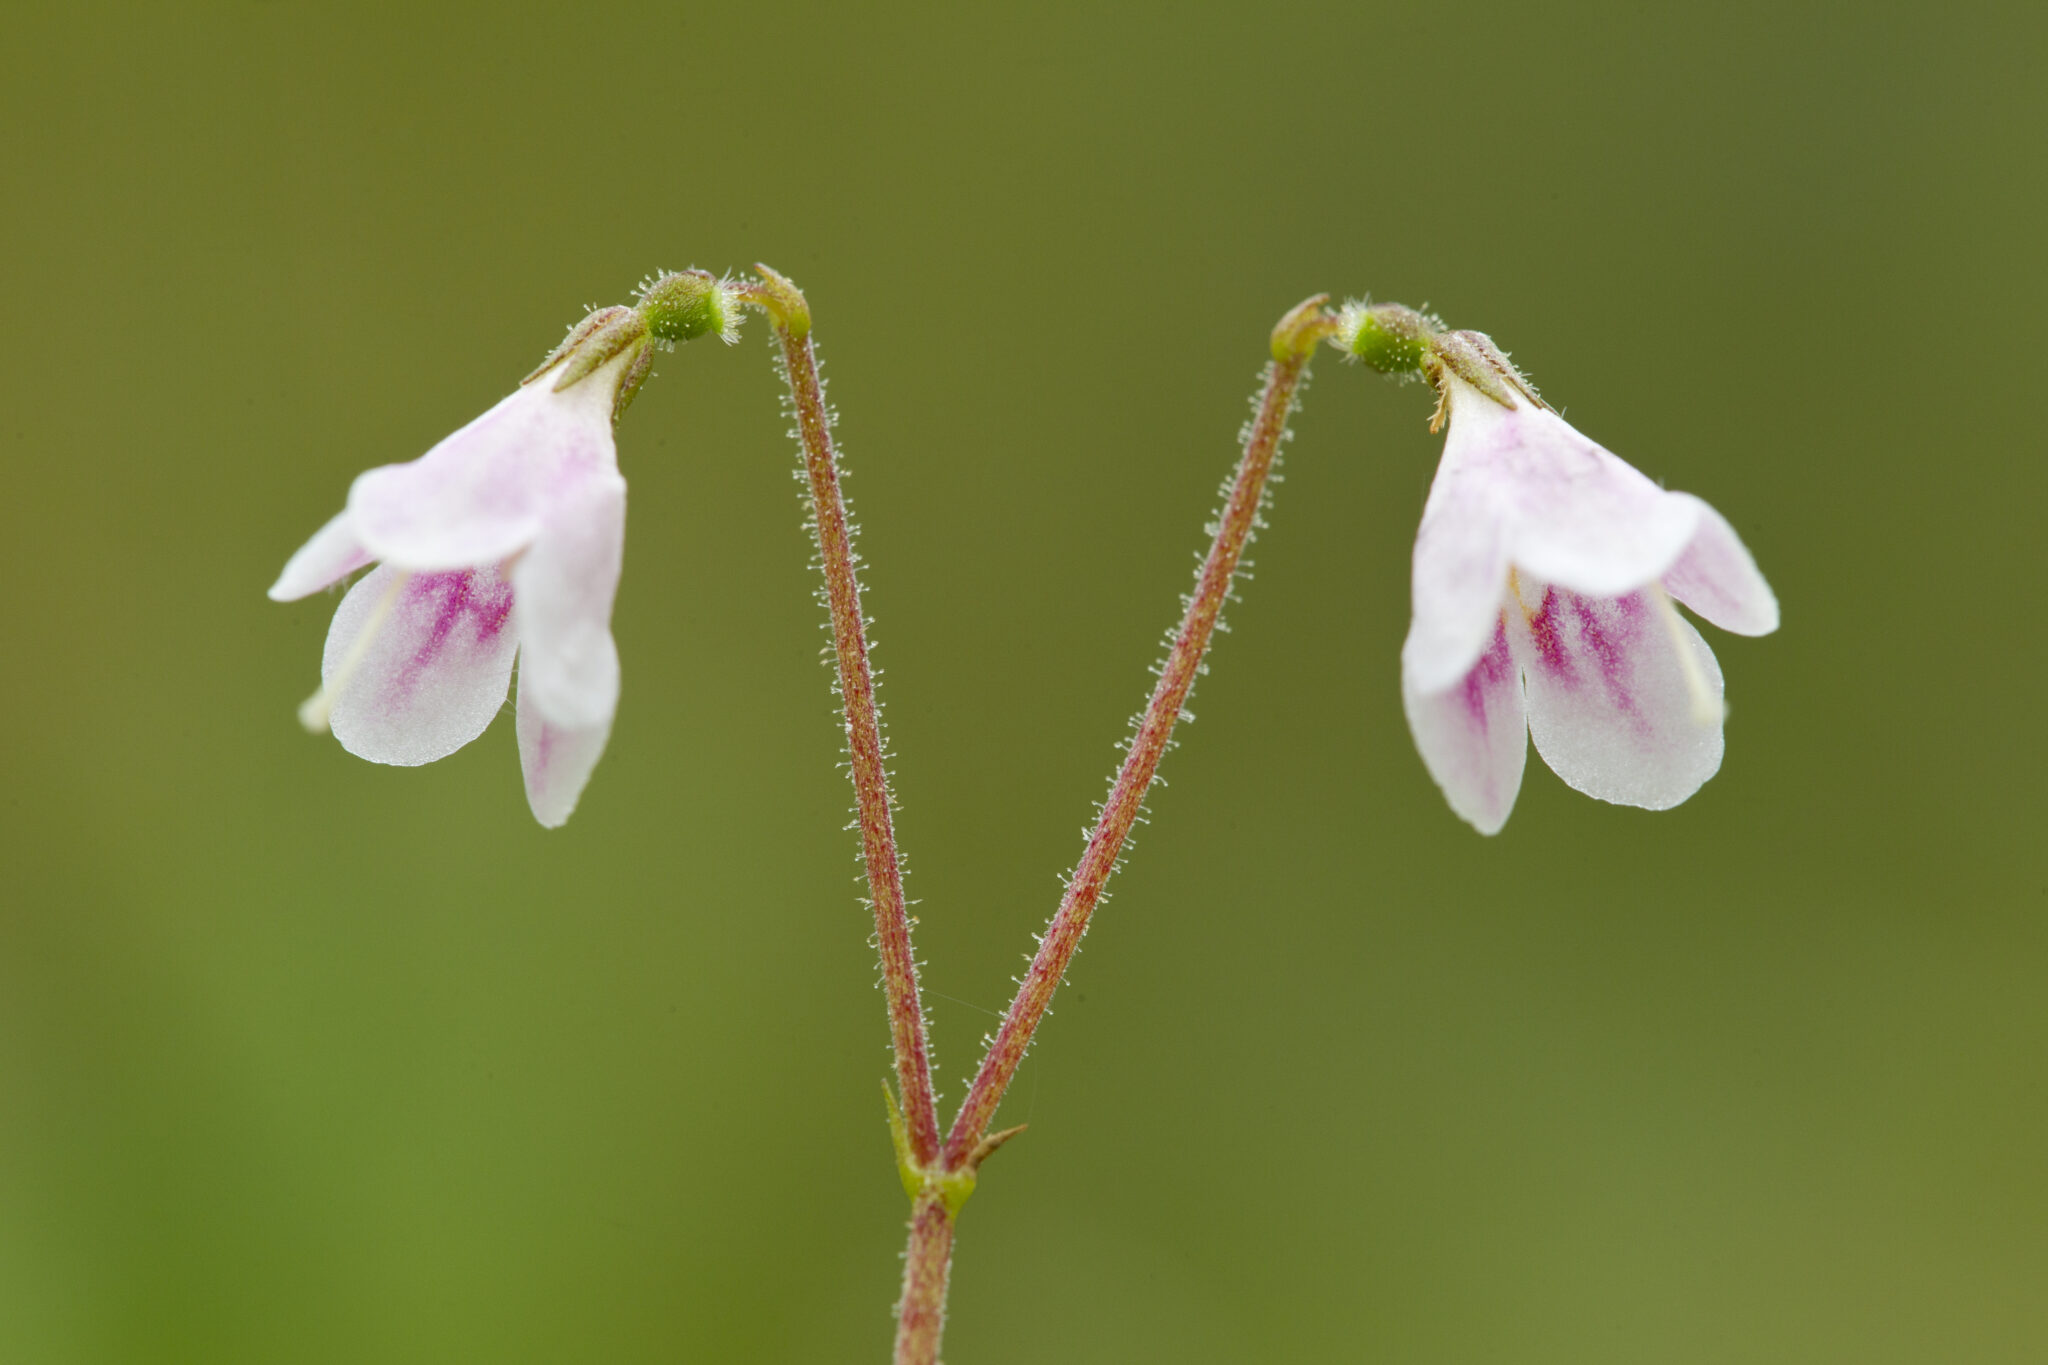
(317,709)
(1515,591)
(1707,709)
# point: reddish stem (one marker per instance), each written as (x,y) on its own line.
(928,1257)
(791,317)
(921,1315)
(1294,340)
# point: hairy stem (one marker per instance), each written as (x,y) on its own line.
(1294,340)
(921,1315)
(791,317)
(939,1178)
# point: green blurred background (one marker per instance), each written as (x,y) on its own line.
(303,1059)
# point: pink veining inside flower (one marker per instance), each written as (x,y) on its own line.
(1544,575)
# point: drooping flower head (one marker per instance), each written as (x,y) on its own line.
(502,543)
(1544,576)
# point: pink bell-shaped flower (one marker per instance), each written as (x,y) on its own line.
(503,541)
(1544,576)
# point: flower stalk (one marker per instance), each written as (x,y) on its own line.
(1294,341)
(874,807)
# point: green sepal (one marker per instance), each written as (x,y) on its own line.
(629,383)
(1474,358)
(595,342)
(591,344)
(618,329)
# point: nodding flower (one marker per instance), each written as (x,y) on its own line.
(1545,574)
(504,541)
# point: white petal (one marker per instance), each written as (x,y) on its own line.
(1717,578)
(1473,737)
(569,665)
(482,493)
(434,670)
(1614,707)
(1577,515)
(330,556)
(1460,572)
(556,759)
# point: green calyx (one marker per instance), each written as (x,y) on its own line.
(676,306)
(1396,339)
(1473,357)
(683,305)
(596,342)
(1390,337)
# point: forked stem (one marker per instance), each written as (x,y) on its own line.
(939,1179)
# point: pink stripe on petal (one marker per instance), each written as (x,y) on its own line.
(1605,637)
(1546,637)
(1610,707)
(1472,736)
(434,673)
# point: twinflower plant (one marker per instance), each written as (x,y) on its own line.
(1545,574)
